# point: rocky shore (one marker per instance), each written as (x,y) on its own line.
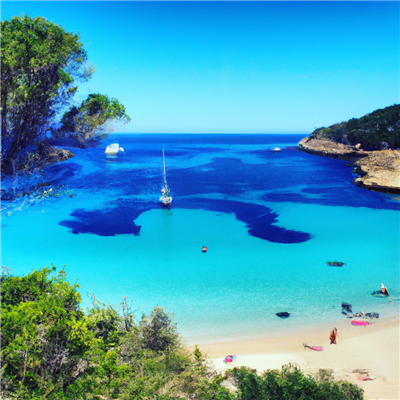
(377,170)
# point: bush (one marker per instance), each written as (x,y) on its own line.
(52,349)
(291,384)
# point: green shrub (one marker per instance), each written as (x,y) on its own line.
(52,349)
(291,384)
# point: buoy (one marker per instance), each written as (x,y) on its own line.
(204,249)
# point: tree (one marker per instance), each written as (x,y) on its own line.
(40,65)
(52,350)
(44,334)
(90,121)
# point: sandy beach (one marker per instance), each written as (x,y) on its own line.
(374,348)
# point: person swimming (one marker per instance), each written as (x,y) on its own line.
(384,290)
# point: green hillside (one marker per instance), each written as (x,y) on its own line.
(375,131)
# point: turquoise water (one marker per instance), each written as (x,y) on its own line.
(286,215)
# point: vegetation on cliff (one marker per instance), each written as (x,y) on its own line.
(53,349)
(41,65)
(377,130)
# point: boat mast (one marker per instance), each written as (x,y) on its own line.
(163,158)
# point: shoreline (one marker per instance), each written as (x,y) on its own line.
(375,348)
(377,170)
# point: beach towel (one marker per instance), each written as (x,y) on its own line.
(360,323)
(364,378)
(230,359)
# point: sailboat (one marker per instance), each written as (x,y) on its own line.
(165,198)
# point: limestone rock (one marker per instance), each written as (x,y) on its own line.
(329,148)
(378,170)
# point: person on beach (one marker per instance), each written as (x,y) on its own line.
(332,336)
(384,290)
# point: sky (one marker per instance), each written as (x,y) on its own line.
(234,67)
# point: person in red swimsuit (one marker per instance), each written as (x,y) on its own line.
(384,290)
(332,336)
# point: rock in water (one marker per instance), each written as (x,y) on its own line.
(371,315)
(347,307)
(283,314)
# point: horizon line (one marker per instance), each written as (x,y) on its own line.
(211,133)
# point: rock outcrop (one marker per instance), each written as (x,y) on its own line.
(56,155)
(378,170)
(328,148)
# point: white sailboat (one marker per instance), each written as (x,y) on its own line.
(165,198)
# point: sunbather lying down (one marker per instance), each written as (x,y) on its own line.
(316,348)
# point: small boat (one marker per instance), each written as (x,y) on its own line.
(113,149)
(204,249)
(165,198)
(360,323)
(276,149)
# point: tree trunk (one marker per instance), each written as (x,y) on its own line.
(4,119)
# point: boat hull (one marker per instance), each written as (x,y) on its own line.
(165,200)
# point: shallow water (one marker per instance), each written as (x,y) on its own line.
(270,222)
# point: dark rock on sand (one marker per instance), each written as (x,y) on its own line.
(371,315)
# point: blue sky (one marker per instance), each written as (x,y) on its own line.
(234,67)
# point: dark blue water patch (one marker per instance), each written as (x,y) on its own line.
(206,138)
(119,216)
(225,175)
(137,153)
(116,219)
(259,220)
(125,181)
(202,149)
(290,175)
(61,172)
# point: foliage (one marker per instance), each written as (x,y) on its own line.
(89,122)
(40,65)
(44,334)
(291,384)
(52,349)
(377,130)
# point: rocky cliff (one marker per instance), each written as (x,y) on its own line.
(378,170)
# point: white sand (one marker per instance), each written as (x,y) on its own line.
(375,347)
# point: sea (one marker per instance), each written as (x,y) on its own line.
(270,222)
